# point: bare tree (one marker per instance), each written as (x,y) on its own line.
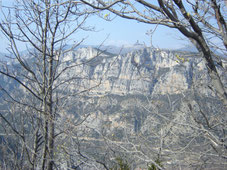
(33,113)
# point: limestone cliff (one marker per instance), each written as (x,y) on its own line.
(146,71)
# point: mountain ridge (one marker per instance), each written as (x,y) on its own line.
(152,66)
(144,70)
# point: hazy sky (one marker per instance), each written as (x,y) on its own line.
(121,32)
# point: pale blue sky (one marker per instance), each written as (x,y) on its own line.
(121,32)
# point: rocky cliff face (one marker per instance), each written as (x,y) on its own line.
(146,71)
(143,71)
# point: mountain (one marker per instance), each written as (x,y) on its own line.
(146,96)
(145,71)
(142,104)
